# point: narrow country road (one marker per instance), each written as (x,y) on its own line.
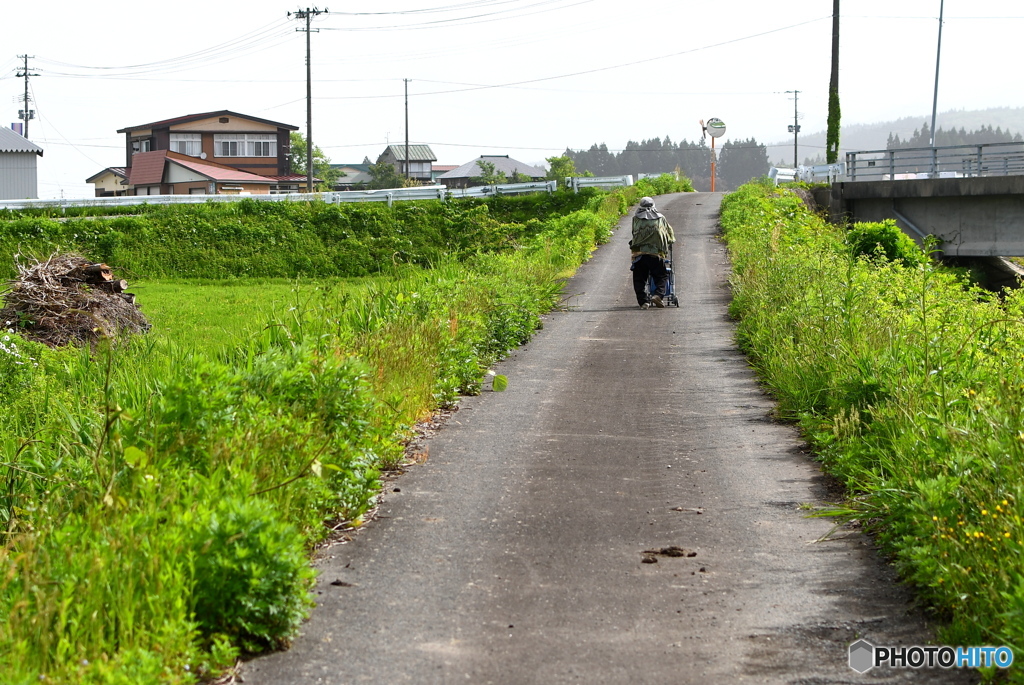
(515,553)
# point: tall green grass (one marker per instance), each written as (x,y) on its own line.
(908,380)
(159,496)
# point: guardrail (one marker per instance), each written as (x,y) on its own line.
(389,195)
(827,173)
(577,182)
(504,189)
(952,161)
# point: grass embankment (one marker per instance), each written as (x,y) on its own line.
(159,497)
(910,384)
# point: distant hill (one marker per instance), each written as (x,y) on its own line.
(874,136)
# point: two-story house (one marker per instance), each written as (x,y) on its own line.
(421,157)
(225,146)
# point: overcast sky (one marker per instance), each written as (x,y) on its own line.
(526,78)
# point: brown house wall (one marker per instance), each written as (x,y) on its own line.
(264,166)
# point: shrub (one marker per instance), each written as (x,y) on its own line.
(883,240)
(251,574)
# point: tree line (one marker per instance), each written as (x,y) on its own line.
(737,162)
(922,137)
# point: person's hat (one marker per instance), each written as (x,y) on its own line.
(646,202)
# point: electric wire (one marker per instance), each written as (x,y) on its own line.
(462,21)
(245,40)
(585,71)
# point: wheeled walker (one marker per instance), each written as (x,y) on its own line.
(670,298)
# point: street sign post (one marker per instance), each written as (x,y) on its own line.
(714,128)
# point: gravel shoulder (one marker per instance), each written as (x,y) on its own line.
(529,546)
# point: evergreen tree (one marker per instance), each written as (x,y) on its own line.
(742,161)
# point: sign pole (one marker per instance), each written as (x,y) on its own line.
(714,128)
(713,158)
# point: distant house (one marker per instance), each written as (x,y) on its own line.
(354,175)
(439,170)
(162,172)
(462,177)
(110,182)
(421,157)
(216,142)
(18,179)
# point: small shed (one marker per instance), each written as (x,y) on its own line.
(18,179)
(463,176)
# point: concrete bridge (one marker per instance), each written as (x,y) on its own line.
(974,217)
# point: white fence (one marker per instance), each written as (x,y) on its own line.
(388,195)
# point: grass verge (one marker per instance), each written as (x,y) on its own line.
(909,383)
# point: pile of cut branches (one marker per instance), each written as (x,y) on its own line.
(67,299)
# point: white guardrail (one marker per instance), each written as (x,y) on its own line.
(388,195)
(576,183)
(828,173)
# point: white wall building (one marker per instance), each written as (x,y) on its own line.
(18,180)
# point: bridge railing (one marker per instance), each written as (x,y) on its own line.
(952,161)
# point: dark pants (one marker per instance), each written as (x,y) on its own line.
(645,266)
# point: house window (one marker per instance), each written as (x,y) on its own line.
(141,146)
(190,144)
(245,145)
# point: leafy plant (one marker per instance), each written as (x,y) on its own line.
(251,575)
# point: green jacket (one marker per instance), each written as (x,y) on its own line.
(651,236)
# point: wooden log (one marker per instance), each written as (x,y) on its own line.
(114,286)
(99,272)
(128,297)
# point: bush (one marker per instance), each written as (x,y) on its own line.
(251,574)
(884,240)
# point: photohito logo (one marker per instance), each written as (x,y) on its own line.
(864,656)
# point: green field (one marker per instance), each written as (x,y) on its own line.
(221,315)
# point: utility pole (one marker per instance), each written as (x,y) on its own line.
(406,128)
(935,98)
(832,135)
(26,113)
(795,127)
(308,15)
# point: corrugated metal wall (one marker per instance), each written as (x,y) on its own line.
(18,176)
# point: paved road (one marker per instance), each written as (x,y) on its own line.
(514,554)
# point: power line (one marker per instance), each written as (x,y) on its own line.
(246,40)
(464,21)
(595,70)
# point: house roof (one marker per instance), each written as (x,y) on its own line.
(205,115)
(502,163)
(12,141)
(214,171)
(354,173)
(417,153)
(119,171)
(148,169)
(444,168)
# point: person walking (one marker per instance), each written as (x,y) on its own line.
(652,236)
